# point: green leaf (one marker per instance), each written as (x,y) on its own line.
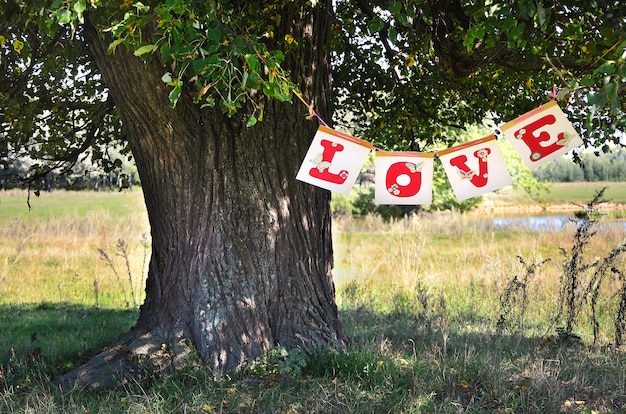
(376,25)
(278,56)
(270,89)
(607,68)
(527,8)
(479,31)
(515,35)
(543,16)
(141,7)
(283,97)
(209,102)
(563,93)
(610,89)
(175,93)
(214,35)
(64,16)
(273,90)
(597,99)
(114,44)
(200,65)
(253,62)
(586,81)
(475,32)
(508,24)
(166,53)
(395,7)
(79,8)
(606,30)
(393,35)
(404,21)
(251,121)
(491,40)
(253,81)
(573,31)
(145,49)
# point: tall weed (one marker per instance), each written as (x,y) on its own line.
(123,251)
(583,278)
(515,295)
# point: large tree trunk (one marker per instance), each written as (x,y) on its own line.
(241,251)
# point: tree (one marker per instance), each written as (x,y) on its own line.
(200,94)
(241,258)
(594,166)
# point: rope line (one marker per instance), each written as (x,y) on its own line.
(311,110)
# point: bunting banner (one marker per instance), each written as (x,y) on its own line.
(541,135)
(475,168)
(403,178)
(334,160)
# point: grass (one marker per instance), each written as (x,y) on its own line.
(420,299)
(61,334)
(583,192)
(49,253)
(562,194)
(14,205)
(58,299)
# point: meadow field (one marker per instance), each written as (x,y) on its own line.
(447,313)
(560,196)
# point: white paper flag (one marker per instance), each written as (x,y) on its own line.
(542,135)
(475,168)
(403,178)
(334,160)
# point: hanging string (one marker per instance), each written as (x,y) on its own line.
(494,135)
(311,111)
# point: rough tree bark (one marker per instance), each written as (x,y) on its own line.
(241,251)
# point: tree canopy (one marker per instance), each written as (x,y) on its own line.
(404,71)
(411,70)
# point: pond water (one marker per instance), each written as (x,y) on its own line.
(538,222)
(547,222)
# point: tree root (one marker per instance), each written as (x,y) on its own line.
(134,357)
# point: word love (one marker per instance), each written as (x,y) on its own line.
(334,160)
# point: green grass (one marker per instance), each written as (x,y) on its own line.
(562,194)
(419,299)
(14,204)
(55,332)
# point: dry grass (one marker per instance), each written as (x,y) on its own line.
(463,260)
(49,254)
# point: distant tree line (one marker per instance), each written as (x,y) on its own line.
(593,167)
(82,177)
